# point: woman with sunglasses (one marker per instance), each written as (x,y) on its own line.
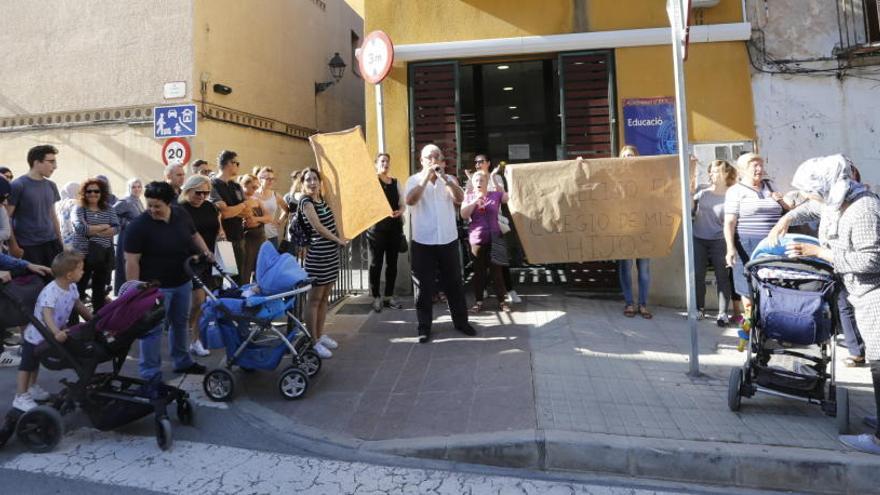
(94,225)
(272,202)
(206,218)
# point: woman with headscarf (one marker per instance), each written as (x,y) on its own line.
(127,209)
(850,229)
(69,200)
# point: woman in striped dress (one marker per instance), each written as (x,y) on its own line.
(94,225)
(322,258)
(751,209)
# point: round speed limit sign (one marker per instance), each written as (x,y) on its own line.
(176,151)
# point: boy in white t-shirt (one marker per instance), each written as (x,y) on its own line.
(54,305)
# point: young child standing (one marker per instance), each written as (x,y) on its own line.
(54,305)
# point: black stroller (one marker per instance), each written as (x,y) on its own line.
(794,305)
(109,399)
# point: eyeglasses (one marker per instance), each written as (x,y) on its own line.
(93,191)
(203,193)
(205,171)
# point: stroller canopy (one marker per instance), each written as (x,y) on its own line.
(765,249)
(277,272)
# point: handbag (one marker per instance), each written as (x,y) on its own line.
(225,257)
(404,245)
(300,230)
(503,223)
(498,251)
(99,255)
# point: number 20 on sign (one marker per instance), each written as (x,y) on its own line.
(176,151)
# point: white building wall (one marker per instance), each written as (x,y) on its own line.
(812,114)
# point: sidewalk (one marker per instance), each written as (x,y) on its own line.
(569,383)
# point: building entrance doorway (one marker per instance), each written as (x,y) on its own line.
(552,108)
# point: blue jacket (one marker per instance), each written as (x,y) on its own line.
(9,263)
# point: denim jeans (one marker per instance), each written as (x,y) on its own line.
(177,304)
(624,269)
(745,245)
(852,337)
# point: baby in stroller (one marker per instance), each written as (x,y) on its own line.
(109,399)
(795,306)
(242,320)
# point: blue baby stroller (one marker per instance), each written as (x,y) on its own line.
(242,320)
(794,305)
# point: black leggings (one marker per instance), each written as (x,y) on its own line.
(99,275)
(383,246)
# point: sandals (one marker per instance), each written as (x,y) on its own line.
(629,311)
(477,307)
(505,307)
(854,362)
(645,313)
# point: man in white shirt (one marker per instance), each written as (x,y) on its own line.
(431,196)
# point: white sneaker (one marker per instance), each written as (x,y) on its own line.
(327,342)
(322,351)
(377,304)
(198,349)
(514,297)
(37,393)
(24,402)
(10,358)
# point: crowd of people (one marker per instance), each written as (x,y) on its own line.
(90,242)
(86,243)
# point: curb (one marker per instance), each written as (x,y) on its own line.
(727,464)
(715,463)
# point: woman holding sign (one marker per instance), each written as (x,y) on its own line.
(322,258)
(624,268)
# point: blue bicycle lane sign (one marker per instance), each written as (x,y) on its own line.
(174,121)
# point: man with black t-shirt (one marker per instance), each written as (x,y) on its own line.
(228,197)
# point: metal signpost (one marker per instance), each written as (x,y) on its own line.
(376,58)
(174,121)
(679,13)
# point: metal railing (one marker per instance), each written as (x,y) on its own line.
(353,270)
(859,23)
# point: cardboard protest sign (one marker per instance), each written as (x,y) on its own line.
(349,186)
(601,209)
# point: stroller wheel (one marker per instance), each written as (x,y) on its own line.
(310,362)
(734,388)
(293,383)
(185,413)
(219,384)
(842,399)
(40,429)
(163,433)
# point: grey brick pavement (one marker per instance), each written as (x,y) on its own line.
(556,363)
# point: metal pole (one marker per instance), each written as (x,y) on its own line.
(684,172)
(380,118)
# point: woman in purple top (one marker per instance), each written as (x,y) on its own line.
(481,207)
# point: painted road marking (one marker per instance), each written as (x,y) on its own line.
(189,467)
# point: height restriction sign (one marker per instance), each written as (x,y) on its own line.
(377,55)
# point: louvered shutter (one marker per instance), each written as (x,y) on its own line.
(434,111)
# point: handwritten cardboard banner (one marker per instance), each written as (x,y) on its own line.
(601,209)
(350,186)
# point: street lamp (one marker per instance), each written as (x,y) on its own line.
(337,69)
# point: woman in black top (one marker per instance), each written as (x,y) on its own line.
(206,218)
(385,237)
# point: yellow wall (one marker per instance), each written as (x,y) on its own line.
(608,15)
(254,148)
(718,87)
